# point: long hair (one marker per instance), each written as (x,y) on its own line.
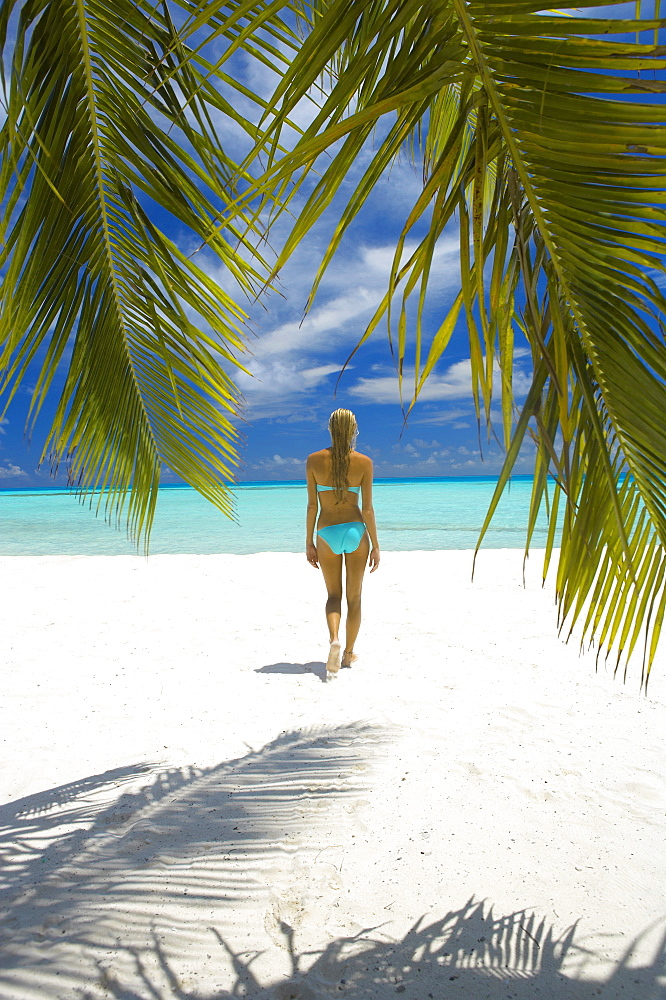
(343,429)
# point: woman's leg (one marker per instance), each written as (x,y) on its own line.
(355,563)
(331,567)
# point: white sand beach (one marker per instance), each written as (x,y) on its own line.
(188,811)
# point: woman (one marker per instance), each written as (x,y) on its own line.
(335,476)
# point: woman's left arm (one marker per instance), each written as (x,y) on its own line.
(311,516)
(369,514)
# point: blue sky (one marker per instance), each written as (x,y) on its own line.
(295,360)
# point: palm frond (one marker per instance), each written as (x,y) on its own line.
(538,136)
(599,247)
(109,114)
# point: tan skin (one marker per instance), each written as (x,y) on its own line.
(319,555)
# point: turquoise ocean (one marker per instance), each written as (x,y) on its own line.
(412,514)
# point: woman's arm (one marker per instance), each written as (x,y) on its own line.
(311,515)
(369,515)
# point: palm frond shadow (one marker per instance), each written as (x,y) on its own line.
(82,880)
(62,812)
(487,957)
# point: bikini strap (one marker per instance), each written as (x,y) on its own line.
(325,489)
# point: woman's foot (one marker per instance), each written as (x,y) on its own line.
(348,657)
(334,657)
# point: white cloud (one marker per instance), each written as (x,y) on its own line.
(447,462)
(11,471)
(288,343)
(329,319)
(279,462)
(282,387)
(351,289)
(454,383)
(296,356)
(415,457)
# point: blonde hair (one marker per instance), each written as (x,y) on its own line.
(343,428)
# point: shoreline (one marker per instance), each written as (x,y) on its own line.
(270,519)
(471,807)
(378,480)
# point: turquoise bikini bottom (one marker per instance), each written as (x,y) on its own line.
(343,537)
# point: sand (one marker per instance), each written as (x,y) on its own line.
(189,812)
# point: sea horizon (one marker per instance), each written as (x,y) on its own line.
(244,483)
(413,514)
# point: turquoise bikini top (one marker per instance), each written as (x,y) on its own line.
(352,489)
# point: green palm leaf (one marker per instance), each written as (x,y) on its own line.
(534,130)
(109,114)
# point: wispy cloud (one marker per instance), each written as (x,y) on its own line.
(294,358)
(439,417)
(455,383)
(283,388)
(352,287)
(333,319)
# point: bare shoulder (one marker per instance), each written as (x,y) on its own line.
(362,464)
(317,459)
(316,456)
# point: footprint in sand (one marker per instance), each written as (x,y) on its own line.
(283,916)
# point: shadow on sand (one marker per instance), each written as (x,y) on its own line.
(131,896)
(316,667)
(469,954)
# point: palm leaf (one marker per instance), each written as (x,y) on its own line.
(109,114)
(535,130)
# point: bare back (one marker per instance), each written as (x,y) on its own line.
(333,511)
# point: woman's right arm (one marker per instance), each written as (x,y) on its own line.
(369,515)
(311,516)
